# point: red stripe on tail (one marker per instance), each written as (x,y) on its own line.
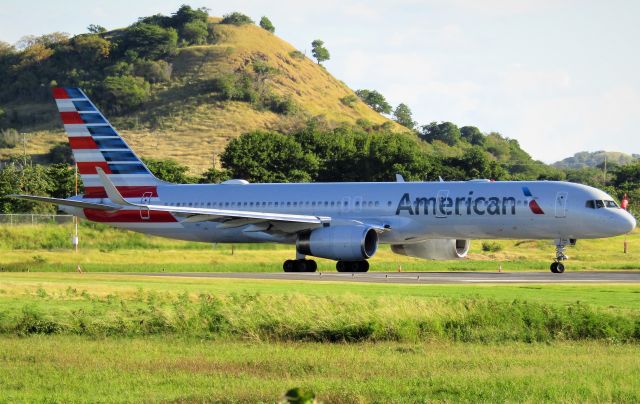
(90,167)
(82,142)
(70,118)
(59,93)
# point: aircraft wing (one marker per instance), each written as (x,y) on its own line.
(67,202)
(230,218)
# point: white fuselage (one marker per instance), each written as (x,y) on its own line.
(413,211)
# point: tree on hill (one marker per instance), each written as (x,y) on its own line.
(446,132)
(402,115)
(96,29)
(186,14)
(266,24)
(149,41)
(123,93)
(169,170)
(236,18)
(319,51)
(91,48)
(375,100)
(472,135)
(268,157)
(195,32)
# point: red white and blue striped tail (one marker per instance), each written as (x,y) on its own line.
(95,143)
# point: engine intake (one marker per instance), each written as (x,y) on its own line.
(437,249)
(341,243)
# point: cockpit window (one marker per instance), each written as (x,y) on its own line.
(598,204)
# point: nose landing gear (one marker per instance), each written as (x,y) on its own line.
(557,267)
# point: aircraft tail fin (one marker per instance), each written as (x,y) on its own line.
(95,143)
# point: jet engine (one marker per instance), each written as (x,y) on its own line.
(436,249)
(340,243)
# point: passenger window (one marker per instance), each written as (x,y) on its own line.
(326,203)
(388,203)
(333,203)
(591,204)
(288,203)
(377,203)
(295,204)
(313,203)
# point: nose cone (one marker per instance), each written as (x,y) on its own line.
(629,222)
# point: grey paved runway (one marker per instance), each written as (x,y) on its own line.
(428,277)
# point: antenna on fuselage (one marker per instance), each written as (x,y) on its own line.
(399,177)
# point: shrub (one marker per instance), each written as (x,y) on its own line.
(266,24)
(195,32)
(349,100)
(236,18)
(154,72)
(491,246)
(281,105)
(296,54)
(125,92)
(9,138)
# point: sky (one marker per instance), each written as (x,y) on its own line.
(560,76)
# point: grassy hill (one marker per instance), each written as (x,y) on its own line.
(186,120)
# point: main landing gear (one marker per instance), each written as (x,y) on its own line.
(352,266)
(304,265)
(300,265)
(557,267)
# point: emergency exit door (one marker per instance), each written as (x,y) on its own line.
(561,204)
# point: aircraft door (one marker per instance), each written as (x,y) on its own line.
(561,204)
(145,200)
(442,196)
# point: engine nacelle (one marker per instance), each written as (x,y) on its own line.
(437,249)
(341,243)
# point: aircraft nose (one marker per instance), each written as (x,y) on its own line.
(629,222)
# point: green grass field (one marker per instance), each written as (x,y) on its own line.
(113,337)
(110,337)
(79,369)
(104,249)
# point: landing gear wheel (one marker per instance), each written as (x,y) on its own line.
(288,266)
(342,266)
(300,266)
(311,265)
(557,267)
(352,266)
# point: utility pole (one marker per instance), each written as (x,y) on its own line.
(604,181)
(75,218)
(24,149)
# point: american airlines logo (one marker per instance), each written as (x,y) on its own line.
(465,205)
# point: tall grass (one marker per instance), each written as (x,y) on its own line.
(299,317)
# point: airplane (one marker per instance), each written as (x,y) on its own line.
(344,222)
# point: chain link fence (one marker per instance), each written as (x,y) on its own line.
(22,219)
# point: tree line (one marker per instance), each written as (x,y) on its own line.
(316,153)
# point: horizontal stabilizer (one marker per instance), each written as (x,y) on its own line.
(67,202)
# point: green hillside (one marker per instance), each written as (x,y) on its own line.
(187,115)
(595,159)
